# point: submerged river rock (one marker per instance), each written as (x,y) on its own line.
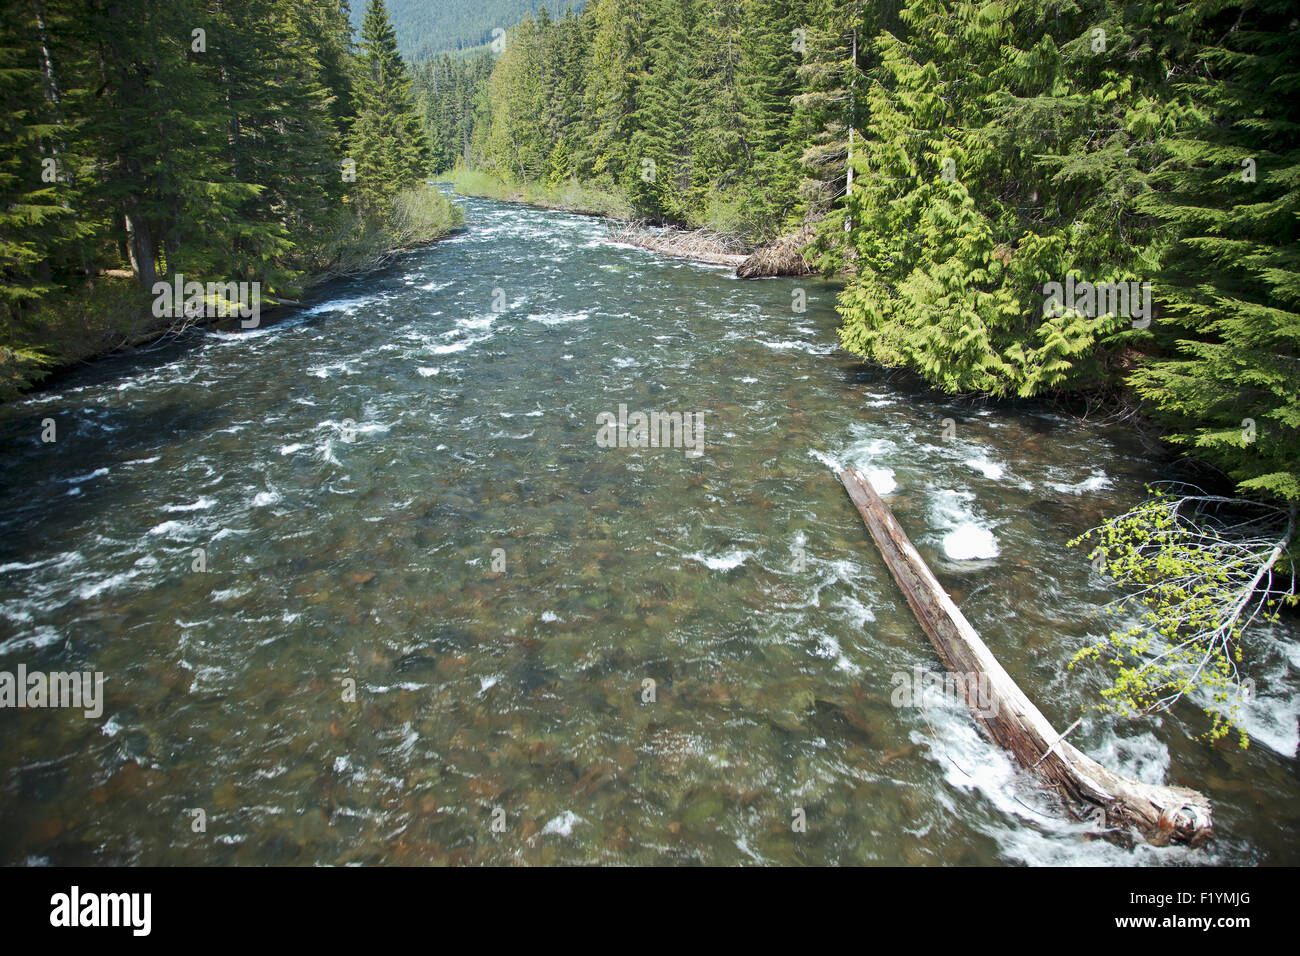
(438,622)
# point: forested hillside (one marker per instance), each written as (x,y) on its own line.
(958,162)
(428,27)
(144,142)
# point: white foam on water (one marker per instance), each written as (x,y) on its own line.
(203,504)
(482,322)
(45,635)
(859,456)
(970,542)
(66,558)
(346,306)
(97,473)
(966,538)
(1095,482)
(264,498)
(988,469)
(830,462)
(1142,757)
(427,371)
(882,479)
(721,562)
(829,648)
(1027,826)
(859,614)
(550,617)
(559,318)
(862,455)
(88,591)
(252,337)
(792,345)
(324,371)
(563,824)
(453,347)
(175,529)
(1271,714)
(611,244)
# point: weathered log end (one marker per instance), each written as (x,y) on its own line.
(1163,815)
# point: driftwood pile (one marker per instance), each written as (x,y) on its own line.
(702,245)
(782,258)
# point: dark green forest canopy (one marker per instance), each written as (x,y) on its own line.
(143,141)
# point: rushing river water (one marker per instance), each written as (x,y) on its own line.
(401,487)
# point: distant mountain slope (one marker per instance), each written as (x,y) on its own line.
(426,27)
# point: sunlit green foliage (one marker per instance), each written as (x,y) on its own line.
(1200,570)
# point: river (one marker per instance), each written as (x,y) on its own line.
(399,489)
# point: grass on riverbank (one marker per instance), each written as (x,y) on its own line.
(358,243)
(571,196)
(110,311)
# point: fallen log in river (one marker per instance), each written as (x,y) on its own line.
(1163,815)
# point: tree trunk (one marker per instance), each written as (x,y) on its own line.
(140,246)
(1162,814)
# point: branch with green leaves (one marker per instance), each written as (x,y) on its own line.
(1203,569)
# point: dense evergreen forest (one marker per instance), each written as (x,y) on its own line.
(144,141)
(954,160)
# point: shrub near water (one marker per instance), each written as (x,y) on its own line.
(422,214)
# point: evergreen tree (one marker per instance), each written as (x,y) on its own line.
(1230,192)
(616,65)
(1006,151)
(388,142)
(36,171)
(148,114)
(829,111)
(280,141)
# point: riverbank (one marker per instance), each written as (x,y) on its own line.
(783,257)
(110,312)
(572,196)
